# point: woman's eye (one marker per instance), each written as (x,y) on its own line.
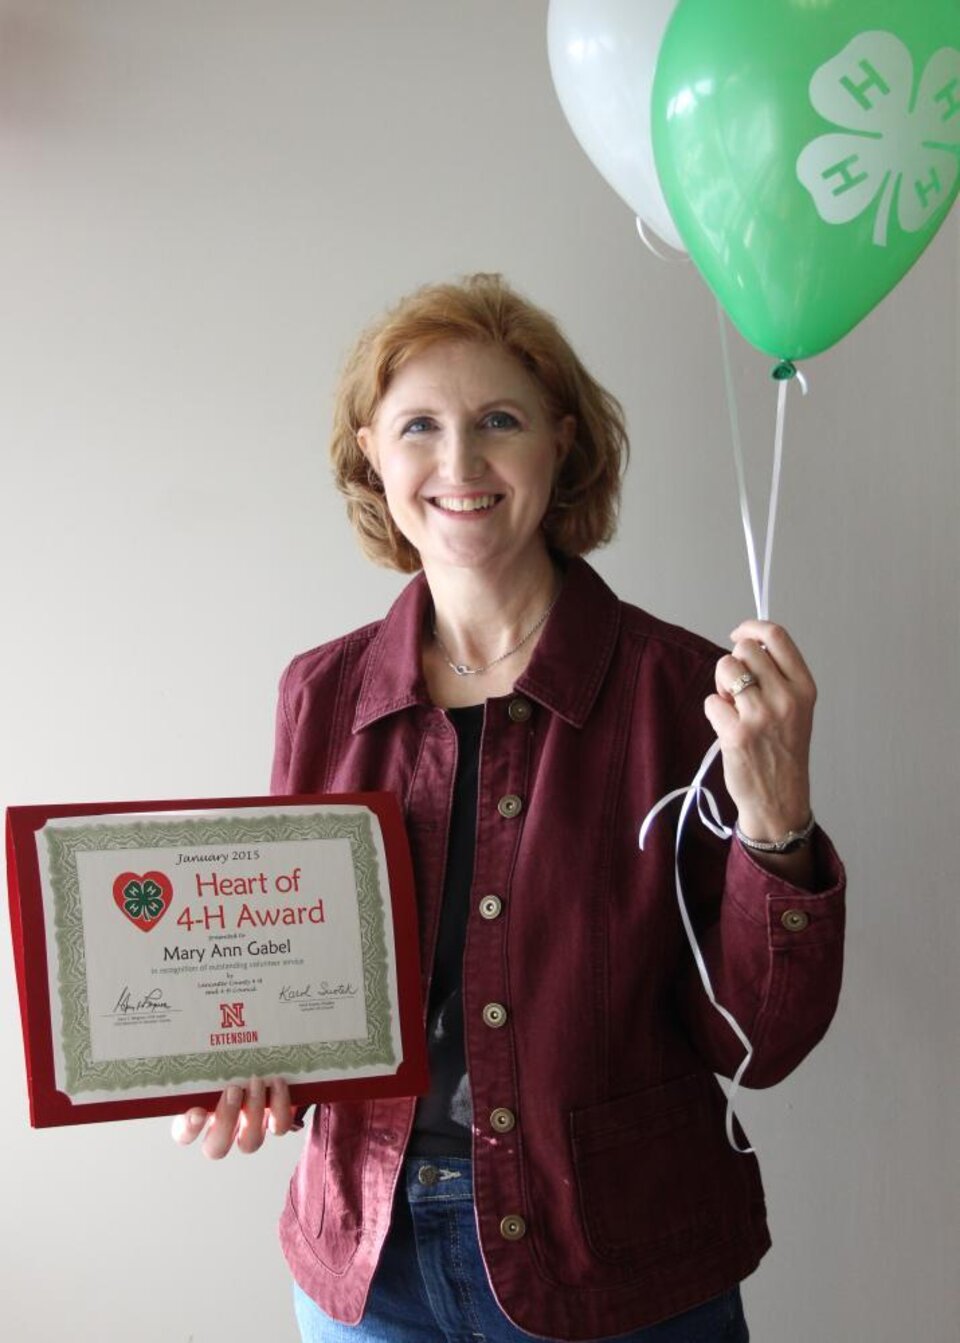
(501,419)
(418,426)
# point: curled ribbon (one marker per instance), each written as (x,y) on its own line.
(661,256)
(695,791)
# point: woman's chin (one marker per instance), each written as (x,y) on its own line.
(492,559)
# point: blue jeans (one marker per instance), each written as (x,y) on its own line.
(431,1286)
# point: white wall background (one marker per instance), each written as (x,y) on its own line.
(200,202)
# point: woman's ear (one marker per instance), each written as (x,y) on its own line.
(566,437)
(367,445)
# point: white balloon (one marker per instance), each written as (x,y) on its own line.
(603,54)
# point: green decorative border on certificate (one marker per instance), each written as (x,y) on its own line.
(84,1074)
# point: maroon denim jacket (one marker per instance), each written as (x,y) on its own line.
(615,1200)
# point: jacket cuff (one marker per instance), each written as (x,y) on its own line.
(792,914)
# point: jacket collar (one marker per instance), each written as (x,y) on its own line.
(564,674)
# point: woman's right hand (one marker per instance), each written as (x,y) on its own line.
(243,1117)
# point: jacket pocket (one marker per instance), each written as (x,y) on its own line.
(651,1171)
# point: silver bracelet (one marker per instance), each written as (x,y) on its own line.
(793,839)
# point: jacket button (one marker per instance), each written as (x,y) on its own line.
(794,920)
(509,806)
(513,1227)
(491,907)
(519,710)
(495,1015)
(428,1175)
(502,1120)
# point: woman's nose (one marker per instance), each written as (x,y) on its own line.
(463,459)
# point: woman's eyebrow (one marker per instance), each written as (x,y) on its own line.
(504,403)
(495,403)
(412,413)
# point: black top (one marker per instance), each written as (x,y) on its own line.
(443,1120)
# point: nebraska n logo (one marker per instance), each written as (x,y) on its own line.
(231,1016)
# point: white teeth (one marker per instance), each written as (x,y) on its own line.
(455,504)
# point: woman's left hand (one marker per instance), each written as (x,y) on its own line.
(764,729)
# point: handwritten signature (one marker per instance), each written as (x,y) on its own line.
(153,1001)
(311,994)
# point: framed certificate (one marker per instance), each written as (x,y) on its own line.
(166,949)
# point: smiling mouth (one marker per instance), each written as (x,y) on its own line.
(477,503)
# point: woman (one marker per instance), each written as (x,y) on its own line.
(569,1175)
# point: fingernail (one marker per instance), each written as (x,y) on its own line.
(234,1095)
(196,1118)
(256,1089)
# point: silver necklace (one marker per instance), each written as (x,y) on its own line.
(462,669)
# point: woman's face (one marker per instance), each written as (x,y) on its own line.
(468,455)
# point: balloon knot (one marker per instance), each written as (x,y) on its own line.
(784,371)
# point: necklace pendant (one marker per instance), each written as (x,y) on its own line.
(461,668)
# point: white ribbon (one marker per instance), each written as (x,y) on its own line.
(760,585)
(661,256)
(695,790)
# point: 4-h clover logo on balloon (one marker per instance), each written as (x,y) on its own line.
(902,150)
(143,899)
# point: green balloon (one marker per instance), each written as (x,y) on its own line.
(808,150)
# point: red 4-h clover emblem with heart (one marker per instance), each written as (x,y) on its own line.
(144,899)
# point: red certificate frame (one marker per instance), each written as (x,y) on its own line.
(50,1106)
